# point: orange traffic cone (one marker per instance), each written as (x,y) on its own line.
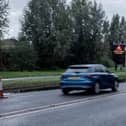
(1,89)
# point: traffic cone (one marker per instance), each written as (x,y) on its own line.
(1,89)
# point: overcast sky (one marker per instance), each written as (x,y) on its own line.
(17,6)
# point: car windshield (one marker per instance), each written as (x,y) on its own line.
(79,69)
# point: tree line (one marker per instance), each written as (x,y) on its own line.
(56,33)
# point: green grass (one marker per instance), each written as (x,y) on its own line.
(122,76)
(120,73)
(10,74)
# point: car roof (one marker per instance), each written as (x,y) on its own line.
(86,65)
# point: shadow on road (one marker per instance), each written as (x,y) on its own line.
(87,93)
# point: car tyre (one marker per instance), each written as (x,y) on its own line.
(65,91)
(115,86)
(96,88)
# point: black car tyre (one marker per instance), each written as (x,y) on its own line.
(65,91)
(96,88)
(115,86)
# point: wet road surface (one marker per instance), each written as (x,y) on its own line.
(51,108)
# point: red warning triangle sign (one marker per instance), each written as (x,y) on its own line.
(118,50)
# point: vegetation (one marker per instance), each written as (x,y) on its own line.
(120,73)
(30,74)
(3,25)
(75,33)
(55,34)
(22,57)
(65,34)
(3,16)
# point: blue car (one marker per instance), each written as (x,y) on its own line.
(88,77)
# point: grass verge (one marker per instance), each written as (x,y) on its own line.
(11,74)
(120,73)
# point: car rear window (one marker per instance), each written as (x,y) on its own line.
(79,69)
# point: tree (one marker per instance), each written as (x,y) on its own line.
(62,27)
(46,24)
(122,31)
(97,19)
(3,24)
(115,29)
(88,19)
(3,16)
(66,34)
(36,28)
(106,43)
(22,57)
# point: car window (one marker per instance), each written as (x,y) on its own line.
(99,69)
(104,69)
(80,69)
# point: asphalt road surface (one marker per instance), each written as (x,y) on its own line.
(51,108)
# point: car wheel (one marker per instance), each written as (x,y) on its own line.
(65,91)
(96,88)
(115,86)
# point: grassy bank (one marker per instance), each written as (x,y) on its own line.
(30,85)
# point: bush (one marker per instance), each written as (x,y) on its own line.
(106,61)
(22,57)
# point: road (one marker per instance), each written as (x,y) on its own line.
(51,108)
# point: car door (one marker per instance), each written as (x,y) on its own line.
(108,77)
(103,76)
